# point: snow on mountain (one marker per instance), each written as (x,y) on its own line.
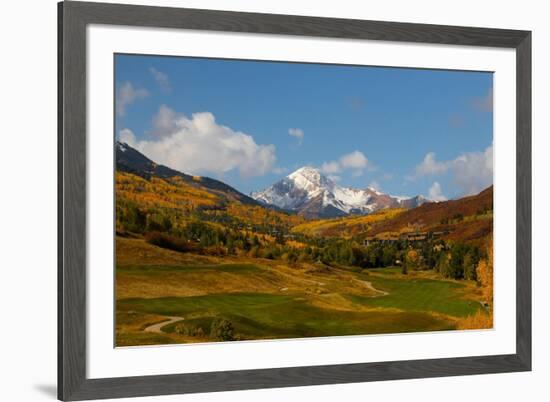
(312,194)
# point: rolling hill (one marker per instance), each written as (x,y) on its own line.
(129,160)
(467,219)
(441,215)
(149,196)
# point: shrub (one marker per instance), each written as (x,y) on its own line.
(222,330)
(470,266)
(442,265)
(170,242)
(459,217)
(412,259)
(189,330)
(131,217)
(158,223)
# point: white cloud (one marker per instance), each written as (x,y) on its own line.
(331,167)
(126,135)
(375,185)
(354,161)
(279,170)
(165,121)
(435,193)
(199,145)
(430,166)
(472,171)
(297,133)
(127,94)
(162,79)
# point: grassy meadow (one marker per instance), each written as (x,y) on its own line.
(267,299)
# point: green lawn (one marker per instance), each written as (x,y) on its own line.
(257,315)
(416,294)
(408,306)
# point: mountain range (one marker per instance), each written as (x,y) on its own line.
(311,194)
(306,191)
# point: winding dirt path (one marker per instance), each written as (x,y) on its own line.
(157,327)
(369,286)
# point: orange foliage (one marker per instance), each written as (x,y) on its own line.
(412,256)
(483,319)
(347,226)
(178,195)
(485,274)
(480,320)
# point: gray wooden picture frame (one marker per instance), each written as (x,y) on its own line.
(73,18)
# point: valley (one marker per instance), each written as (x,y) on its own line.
(214,264)
(265,299)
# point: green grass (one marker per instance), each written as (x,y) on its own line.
(415,294)
(408,307)
(385,271)
(257,315)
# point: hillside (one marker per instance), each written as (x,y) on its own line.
(466,218)
(129,160)
(152,197)
(347,226)
(159,204)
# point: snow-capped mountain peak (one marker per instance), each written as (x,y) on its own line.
(310,179)
(313,194)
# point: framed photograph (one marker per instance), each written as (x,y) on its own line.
(256,201)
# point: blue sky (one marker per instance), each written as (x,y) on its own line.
(249,123)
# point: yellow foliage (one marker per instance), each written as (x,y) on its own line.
(347,226)
(412,256)
(262,216)
(295,244)
(178,195)
(171,193)
(480,320)
(485,274)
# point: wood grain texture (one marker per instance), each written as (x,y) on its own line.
(523,200)
(73,19)
(72,289)
(230,21)
(60,206)
(294,376)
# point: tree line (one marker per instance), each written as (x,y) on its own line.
(225,235)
